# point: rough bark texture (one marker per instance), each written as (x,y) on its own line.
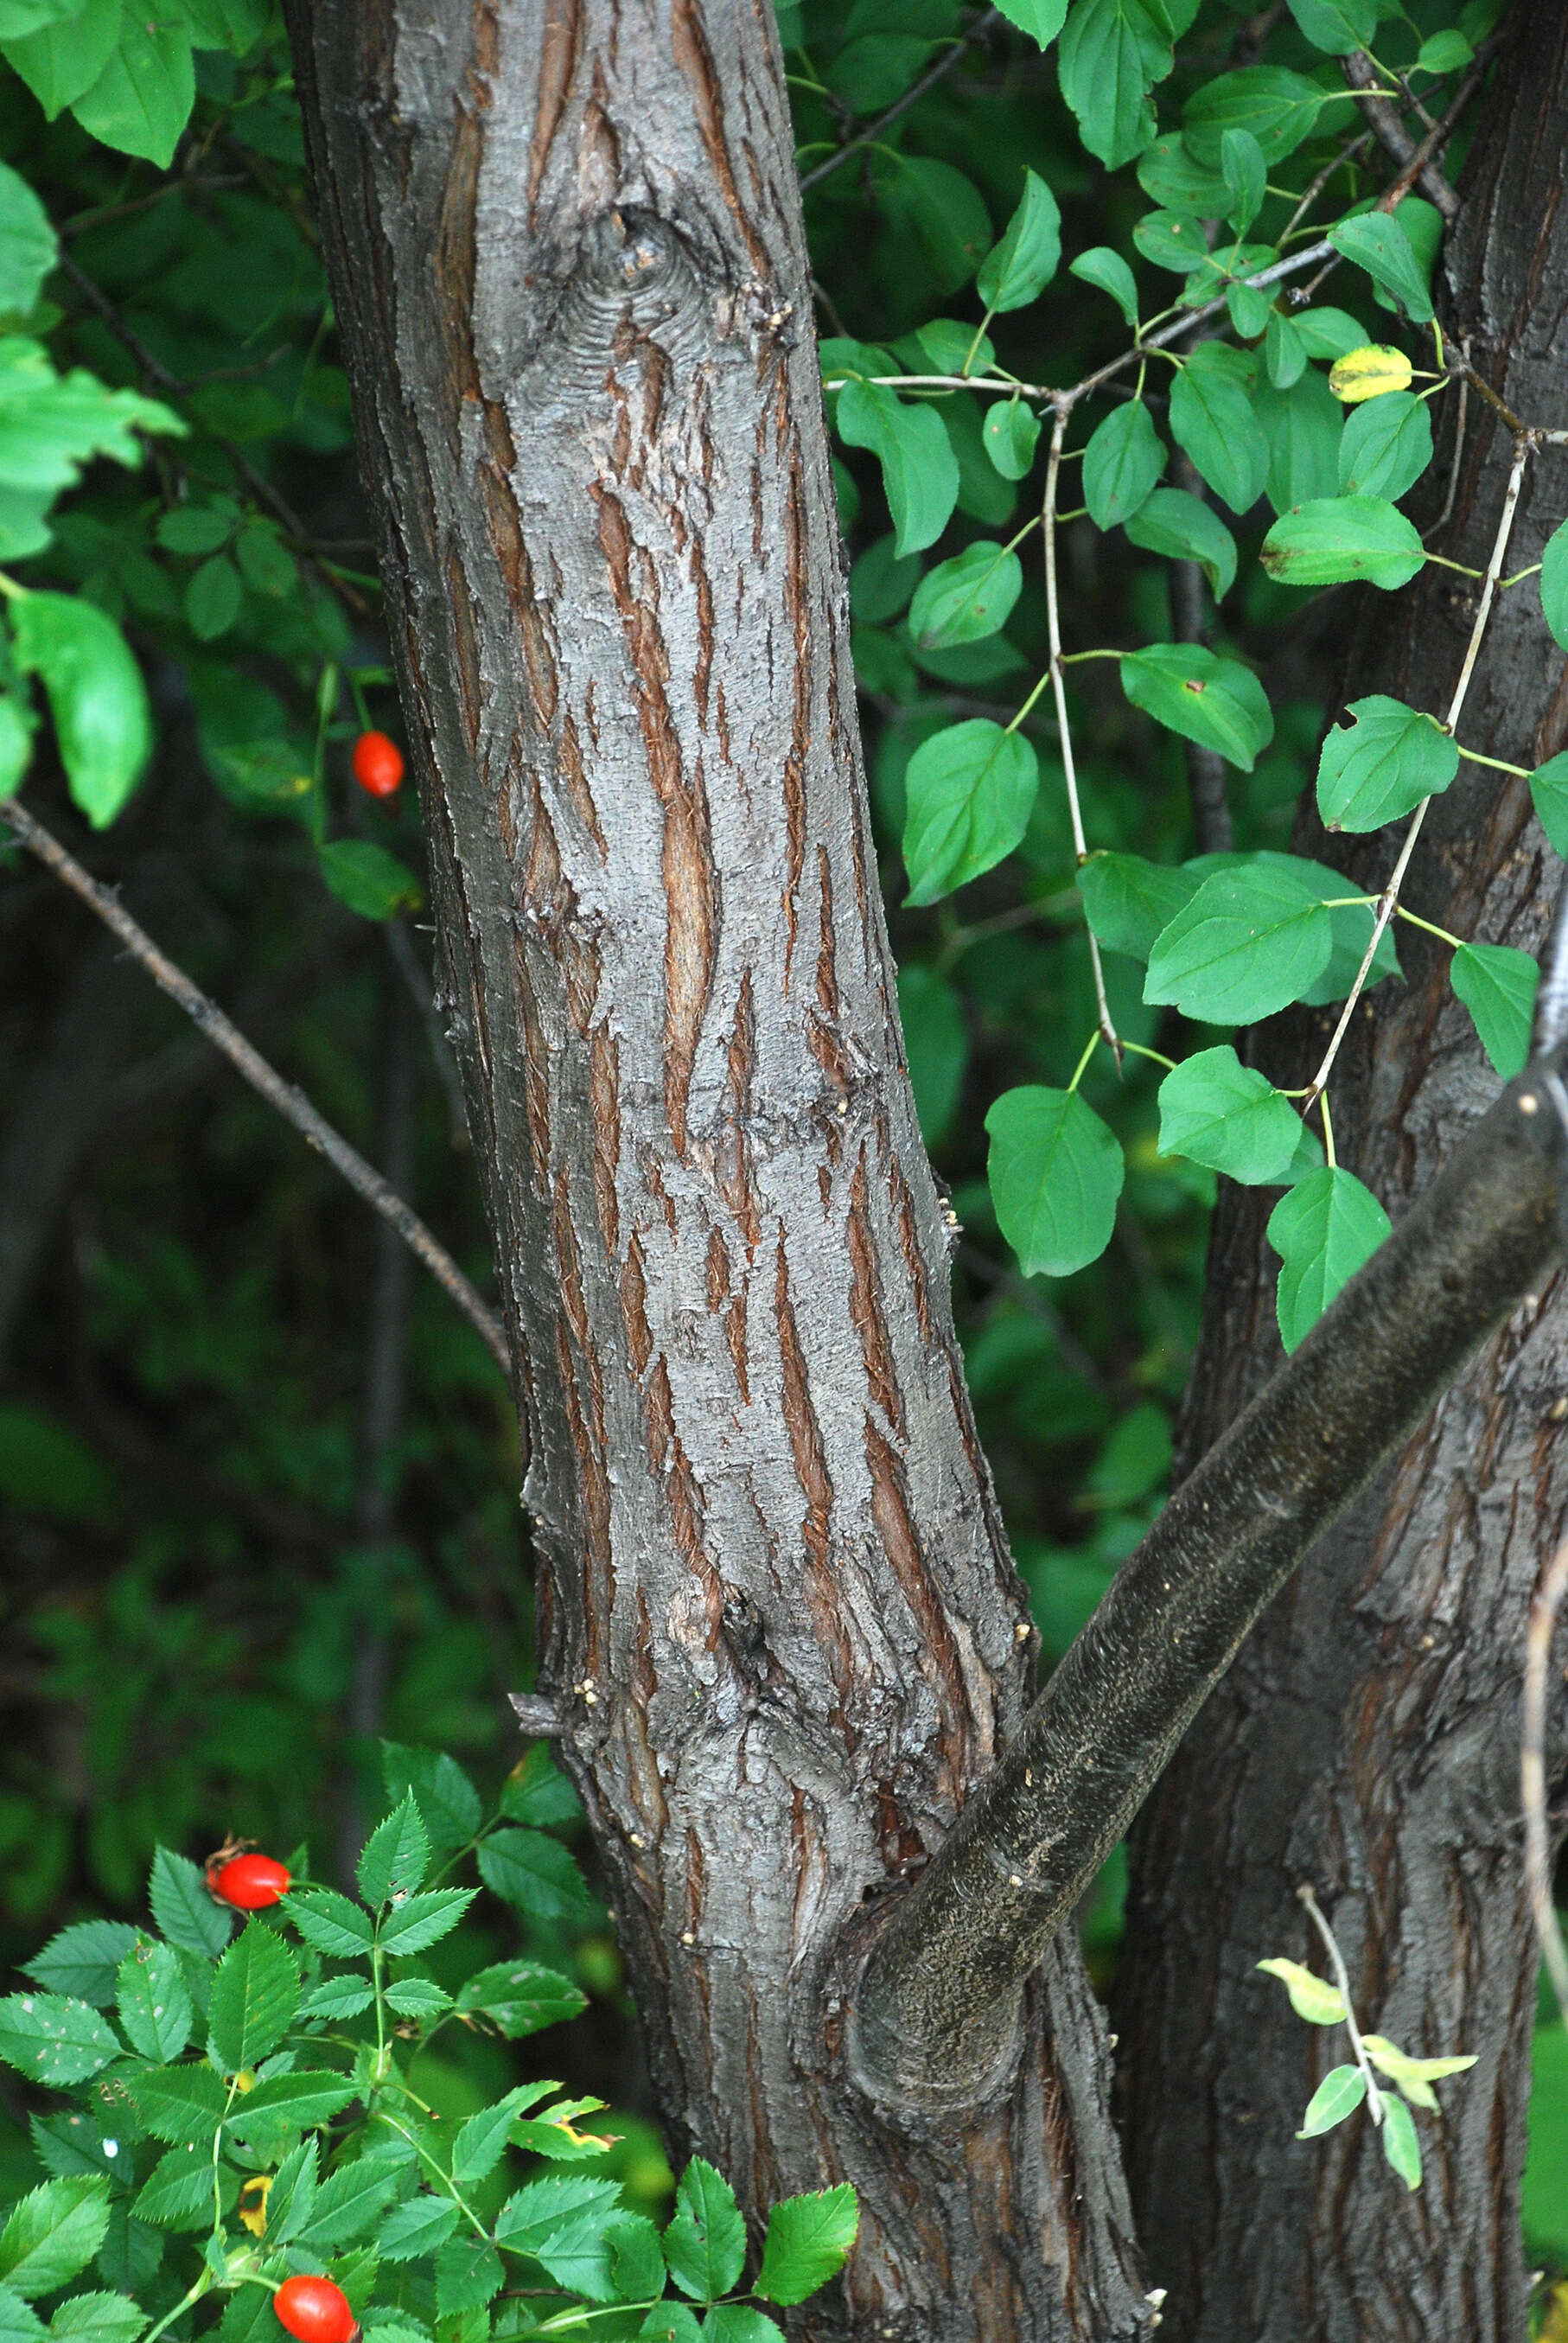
(1366,1739)
(776,1609)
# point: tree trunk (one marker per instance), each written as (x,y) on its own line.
(776,1612)
(1366,1739)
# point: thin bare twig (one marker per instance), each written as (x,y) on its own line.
(1053,623)
(939,72)
(290,1101)
(1533,1772)
(1341,1978)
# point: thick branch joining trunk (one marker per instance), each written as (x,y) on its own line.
(939,1999)
(780,1634)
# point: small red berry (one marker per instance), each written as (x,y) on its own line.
(315,2311)
(249,1882)
(377,764)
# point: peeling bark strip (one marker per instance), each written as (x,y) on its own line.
(777,1619)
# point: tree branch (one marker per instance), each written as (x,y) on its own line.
(290,1102)
(1383,120)
(939,72)
(937,2006)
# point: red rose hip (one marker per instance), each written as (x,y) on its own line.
(249,1881)
(315,2311)
(377,764)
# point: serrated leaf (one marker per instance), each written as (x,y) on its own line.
(1217,1111)
(1376,242)
(1175,522)
(69,2145)
(348,2204)
(1322,1231)
(1400,2144)
(1311,1998)
(521,1997)
(254,1996)
(553,2206)
(1249,941)
(331,1923)
(1381,764)
(704,2241)
(83,1962)
(1129,901)
(418,2227)
(344,1996)
(1102,266)
(1497,984)
(965,599)
(446,1798)
(130,2252)
(1332,539)
(186,1914)
(481,2141)
(469,2274)
(920,470)
(968,794)
(98,699)
(537,1874)
(179,2103)
(537,1793)
(19,2322)
(54,2041)
(396,1854)
(1042,19)
(53,2233)
(1055,1172)
(1121,464)
(292,2193)
(808,2242)
(60,59)
(1385,447)
(142,100)
(737,2322)
(1193,691)
(1372,371)
(1112,53)
(97,2318)
(179,2184)
(1018,269)
(1211,419)
(1339,2094)
(293,2102)
(155,2007)
(418,1997)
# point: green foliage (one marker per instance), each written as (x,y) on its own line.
(295,2138)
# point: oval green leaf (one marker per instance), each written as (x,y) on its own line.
(968,794)
(1215,701)
(1055,1172)
(1332,539)
(1322,1231)
(1381,764)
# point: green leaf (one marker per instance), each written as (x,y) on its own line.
(1400,2144)
(1386,445)
(1284,350)
(555,2206)
(968,794)
(1175,522)
(1121,464)
(920,470)
(179,2103)
(142,100)
(1333,538)
(1302,427)
(19,2322)
(1329,333)
(1245,172)
(635,2258)
(521,1997)
(424,1920)
(1381,764)
(1279,107)
(1311,1998)
(396,1854)
(265,562)
(1041,18)
(16,726)
(1211,418)
(155,2007)
(255,1995)
(537,1874)
(1377,243)
(344,1996)
(292,2194)
(1497,985)
(97,696)
(290,2102)
(1055,1172)
(83,1962)
(737,2322)
(368,879)
(1102,266)
(1555,585)
(1128,900)
(936,1042)
(671,2322)
(1018,269)
(64,57)
(1011,432)
(1413,2076)
(1171,240)
(50,426)
(1192,692)
(1322,1231)
(1444,52)
(1215,1111)
(185,1912)
(130,2252)
(331,1923)
(194,529)
(350,2203)
(481,2141)
(1112,53)
(1339,2094)
(537,1793)
(53,2041)
(28,246)
(469,2274)
(448,1800)
(97,2319)
(53,2233)
(1549,790)
(214,598)
(418,1997)
(1170,177)
(179,2184)
(705,2242)
(1249,941)
(1337,27)
(416,2227)
(965,599)
(808,2242)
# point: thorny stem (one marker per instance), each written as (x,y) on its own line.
(1524,441)
(1374,2096)
(1053,623)
(1544,1612)
(262,1078)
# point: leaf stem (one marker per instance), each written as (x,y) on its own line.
(1374,2096)
(1498,764)
(1083,1066)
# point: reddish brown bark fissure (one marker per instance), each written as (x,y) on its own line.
(777,1613)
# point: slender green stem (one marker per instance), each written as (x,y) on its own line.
(1328,1129)
(443,2180)
(1083,1066)
(1073,658)
(1463,568)
(203,2286)
(1518,577)
(1139,1051)
(1028,706)
(1427,929)
(1498,764)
